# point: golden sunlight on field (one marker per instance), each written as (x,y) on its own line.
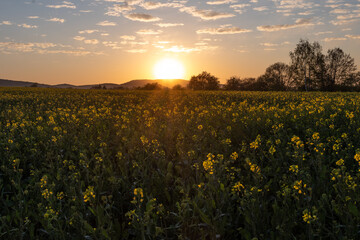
(169,68)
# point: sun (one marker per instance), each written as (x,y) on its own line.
(169,68)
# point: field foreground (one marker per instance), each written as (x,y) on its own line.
(178,165)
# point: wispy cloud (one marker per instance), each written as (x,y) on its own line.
(6,23)
(142,17)
(261,9)
(91,41)
(165,25)
(33,17)
(65,4)
(148,32)
(205,14)
(90,31)
(353,36)
(106,23)
(128,37)
(60,20)
(24,25)
(118,9)
(298,23)
(223,30)
(155,5)
(219,2)
(334,39)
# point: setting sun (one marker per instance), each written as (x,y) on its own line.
(169,69)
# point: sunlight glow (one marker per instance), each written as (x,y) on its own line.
(169,69)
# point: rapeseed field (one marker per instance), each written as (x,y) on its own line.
(93,164)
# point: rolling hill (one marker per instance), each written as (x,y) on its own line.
(127,85)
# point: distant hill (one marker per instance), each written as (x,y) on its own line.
(129,85)
(10,83)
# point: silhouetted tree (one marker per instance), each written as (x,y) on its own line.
(276,77)
(340,68)
(151,86)
(204,81)
(178,87)
(307,68)
(233,83)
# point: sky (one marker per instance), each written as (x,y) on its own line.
(114,41)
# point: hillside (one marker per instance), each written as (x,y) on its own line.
(129,85)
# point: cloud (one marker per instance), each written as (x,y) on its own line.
(148,32)
(353,36)
(106,23)
(261,9)
(6,23)
(165,25)
(205,14)
(142,17)
(128,2)
(24,25)
(302,22)
(88,31)
(181,49)
(60,20)
(343,22)
(42,48)
(155,5)
(274,44)
(79,38)
(322,33)
(334,39)
(128,37)
(65,4)
(10,47)
(293,4)
(340,11)
(91,41)
(118,9)
(222,30)
(33,17)
(113,45)
(219,2)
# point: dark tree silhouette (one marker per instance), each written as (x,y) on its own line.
(340,68)
(233,83)
(308,66)
(204,81)
(276,77)
(178,87)
(151,86)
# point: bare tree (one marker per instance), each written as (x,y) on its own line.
(341,68)
(308,66)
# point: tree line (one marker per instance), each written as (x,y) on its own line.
(309,70)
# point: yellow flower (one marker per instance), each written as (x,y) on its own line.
(208,164)
(294,168)
(309,217)
(340,162)
(138,192)
(89,194)
(357,157)
(237,187)
(234,156)
(316,136)
(200,127)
